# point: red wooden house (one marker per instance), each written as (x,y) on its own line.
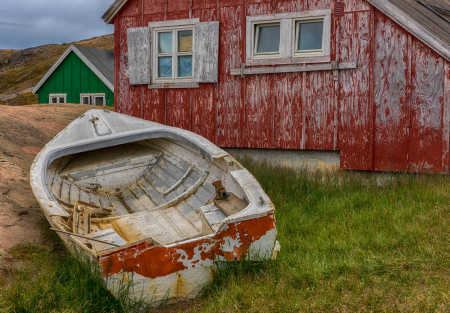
(367,78)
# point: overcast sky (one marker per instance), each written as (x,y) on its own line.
(30,23)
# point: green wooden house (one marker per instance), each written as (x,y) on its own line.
(81,75)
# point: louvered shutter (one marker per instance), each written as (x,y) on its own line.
(206,52)
(139,55)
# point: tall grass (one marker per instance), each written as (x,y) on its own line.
(51,280)
(349,243)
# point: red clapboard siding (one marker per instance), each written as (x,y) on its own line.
(356,126)
(128,98)
(391,113)
(392,97)
(428,75)
(230,117)
(446,122)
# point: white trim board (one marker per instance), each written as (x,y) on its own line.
(86,61)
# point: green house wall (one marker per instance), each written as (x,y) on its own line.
(73,78)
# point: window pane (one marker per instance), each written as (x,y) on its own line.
(165,67)
(99,101)
(165,42)
(268,39)
(310,36)
(61,100)
(85,100)
(54,100)
(185,66)
(185,41)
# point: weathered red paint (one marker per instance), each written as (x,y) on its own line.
(389,114)
(155,261)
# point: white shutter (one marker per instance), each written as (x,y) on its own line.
(139,55)
(206,52)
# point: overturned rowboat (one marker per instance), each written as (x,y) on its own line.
(153,205)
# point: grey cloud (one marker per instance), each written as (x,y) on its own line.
(29,23)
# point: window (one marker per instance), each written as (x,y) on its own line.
(267,39)
(57,98)
(174,54)
(97,99)
(85,100)
(309,36)
(289,38)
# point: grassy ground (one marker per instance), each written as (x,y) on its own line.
(348,245)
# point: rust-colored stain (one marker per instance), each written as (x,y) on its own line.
(155,261)
(392,113)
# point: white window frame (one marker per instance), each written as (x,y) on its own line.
(174,27)
(57,95)
(255,34)
(325,38)
(92,97)
(288,53)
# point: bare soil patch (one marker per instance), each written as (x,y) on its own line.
(24,130)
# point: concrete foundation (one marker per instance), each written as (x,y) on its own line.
(310,160)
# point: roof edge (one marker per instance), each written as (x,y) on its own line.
(83,58)
(415,28)
(112,11)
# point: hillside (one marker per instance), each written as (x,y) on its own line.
(20,70)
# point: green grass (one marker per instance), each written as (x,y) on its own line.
(348,244)
(51,280)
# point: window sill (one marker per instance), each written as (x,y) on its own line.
(289,61)
(330,66)
(175,85)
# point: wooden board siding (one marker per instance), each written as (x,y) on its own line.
(73,78)
(390,114)
(392,79)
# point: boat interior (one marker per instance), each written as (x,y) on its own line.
(160,190)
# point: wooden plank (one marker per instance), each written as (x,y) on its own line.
(130,9)
(319,111)
(356,5)
(284,6)
(155,196)
(206,52)
(288,111)
(178,113)
(153,100)
(129,101)
(139,55)
(230,107)
(319,4)
(179,85)
(428,75)
(154,7)
(413,26)
(356,119)
(178,9)
(391,79)
(144,201)
(260,111)
(84,196)
(74,194)
(56,186)
(446,122)
(204,108)
(294,68)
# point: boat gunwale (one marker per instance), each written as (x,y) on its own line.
(48,155)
